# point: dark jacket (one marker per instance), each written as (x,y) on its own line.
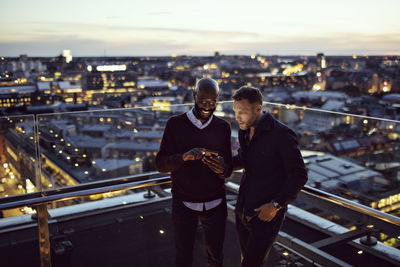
(193,180)
(273,166)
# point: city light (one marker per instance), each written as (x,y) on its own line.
(30,187)
(360,252)
(316,87)
(161,231)
(111,68)
(67,54)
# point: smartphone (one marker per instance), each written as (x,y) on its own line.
(211,153)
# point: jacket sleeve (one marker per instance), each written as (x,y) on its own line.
(237,160)
(227,154)
(167,160)
(294,167)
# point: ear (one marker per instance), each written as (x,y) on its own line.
(259,108)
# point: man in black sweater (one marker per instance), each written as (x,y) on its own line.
(198,191)
(274,172)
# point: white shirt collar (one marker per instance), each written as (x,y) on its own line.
(196,122)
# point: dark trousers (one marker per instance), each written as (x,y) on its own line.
(185,223)
(256,237)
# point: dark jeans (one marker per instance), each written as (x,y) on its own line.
(256,237)
(185,225)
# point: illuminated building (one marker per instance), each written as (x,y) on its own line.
(67,54)
(102,81)
(321,61)
(19,151)
(69,92)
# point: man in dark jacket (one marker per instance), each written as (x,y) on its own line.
(274,172)
(198,192)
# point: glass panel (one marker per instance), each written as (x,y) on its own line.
(349,155)
(356,157)
(83,147)
(18,159)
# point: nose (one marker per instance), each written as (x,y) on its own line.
(237,117)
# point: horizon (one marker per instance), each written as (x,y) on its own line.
(211,55)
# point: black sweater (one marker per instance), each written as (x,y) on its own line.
(193,180)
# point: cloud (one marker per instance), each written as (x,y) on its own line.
(87,47)
(339,43)
(139,41)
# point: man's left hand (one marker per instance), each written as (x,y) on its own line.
(266,212)
(216,164)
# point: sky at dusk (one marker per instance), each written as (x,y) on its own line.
(167,27)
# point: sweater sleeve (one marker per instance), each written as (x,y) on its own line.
(167,160)
(294,167)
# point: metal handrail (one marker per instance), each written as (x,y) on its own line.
(40,199)
(352,205)
(98,187)
(146,180)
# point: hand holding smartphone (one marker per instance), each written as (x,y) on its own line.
(215,162)
(210,153)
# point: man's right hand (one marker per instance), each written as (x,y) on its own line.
(193,154)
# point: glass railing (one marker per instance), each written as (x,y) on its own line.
(75,157)
(353,156)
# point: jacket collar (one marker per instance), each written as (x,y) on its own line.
(265,123)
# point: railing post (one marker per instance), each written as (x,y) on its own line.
(44,237)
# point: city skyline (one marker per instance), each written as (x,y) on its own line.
(163,28)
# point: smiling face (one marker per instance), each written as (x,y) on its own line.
(205,104)
(246,114)
(205,98)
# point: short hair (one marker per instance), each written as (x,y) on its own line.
(251,94)
(207,84)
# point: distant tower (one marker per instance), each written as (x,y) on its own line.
(67,54)
(321,61)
